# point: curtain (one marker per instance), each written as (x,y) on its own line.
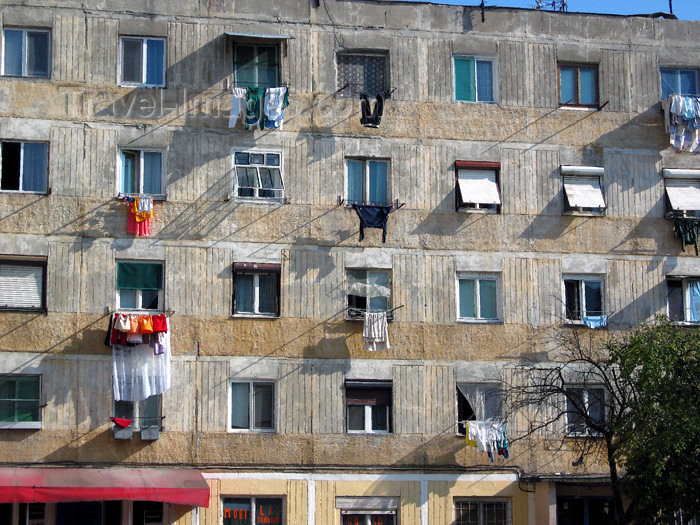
(139,276)
(484,75)
(376,286)
(138,373)
(152,173)
(37,54)
(240,405)
(245,293)
(694,300)
(465,85)
(34,159)
(484,399)
(354,181)
(155,52)
(13,52)
(378,182)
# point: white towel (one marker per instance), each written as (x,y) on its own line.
(376,331)
(237,105)
(274,105)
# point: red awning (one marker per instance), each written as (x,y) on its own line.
(34,485)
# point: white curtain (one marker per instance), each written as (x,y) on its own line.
(375,288)
(139,373)
(484,399)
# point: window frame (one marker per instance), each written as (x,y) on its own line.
(583,312)
(370,386)
(39,262)
(25,31)
(478,277)
(494,76)
(477,166)
(144,61)
(255,45)
(489,390)
(252,500)
(685,298)
(133,410)
(481,502)
(587,432)
(688,182)
(578,67)
(677,70)
(251,406)
(257,269)
(24,425)
(22,143)
(121,166)
(139,292)
(356,313)
(281,198)
(355,90)
(573,174)
(366,185)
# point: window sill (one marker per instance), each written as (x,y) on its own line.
(258,200)
(483,211)
(12,309)
(573,107)
(25,77)
(568,323)
(583,435)
(21,425)
(366,433)
(250,431)
(19,192)
(243,315)
(136,85)
(160,197)
(689,324)
(493,102)
(465,320)
(584,213)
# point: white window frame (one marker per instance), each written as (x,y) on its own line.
(21,166)
(252,504)
(480,502)
(24,31)
(576,174)
(585,395)
(687,182)
(494,76)
(383,385)
(139,293)
(251,406)
(256,295)
(478,277)
(24,424)
(144,60)
(582,279)
(137,407)
(256,197)
(30,263)
(121,166)
(685,297)
(353,91)
(365,179)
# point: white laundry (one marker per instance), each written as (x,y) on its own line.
(376,331)
(237,105)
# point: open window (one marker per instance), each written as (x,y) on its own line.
(22,284)
(477,402)
(257,59)
(585,406)
(362,72)
(258,175)
(368,290)
(682,193)
(583,190)
(583,300)
(20,401)
(256,289)
(683,299)
(368,405)
(145,417)
(139,285)
(478,186)
(24,167)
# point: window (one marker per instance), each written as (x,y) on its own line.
(362,73)
(583,190)
(142,61)
(22,284)
(578,85)
(477,297)
(368,407)
(367,181)
(244,511)
(147,513)
(93,513)
(20,405)
(585,406)
(24,166)
(364,510)
(678,81)
(683,299)
(252,406)
(141,172)
(256,289)
(256,65)
(481,512)
(583,297)
(143,414)
(477,402)
(369,518)
(474,79)
(478,186)
(368,290)
(139,285)
(26,53)
(682,192)
(259,174)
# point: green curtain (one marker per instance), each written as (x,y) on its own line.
(139,276)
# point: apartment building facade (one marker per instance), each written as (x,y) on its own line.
(520,168)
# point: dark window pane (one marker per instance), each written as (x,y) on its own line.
(132,60)
(79,513)
(37,54)
(257,158)
(242,158)
(13,52)
(240,405)
(676,311)
(237,511)
(380,417)
(594,297)
(572,290)
(273,159)
(11,152)
(245,293)
(148,513)
(263,403)
(155,65)
(268,293)
(356,417)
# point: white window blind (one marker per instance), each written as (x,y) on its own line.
(21,286)
(478,187)
(684,194)
(584,192)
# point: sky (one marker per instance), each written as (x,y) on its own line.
(683,9)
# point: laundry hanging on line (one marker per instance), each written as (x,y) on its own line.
(372,217)
(683,122)
(375,332)
(139,214)
(488,436)
(260,107)
(371,117)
